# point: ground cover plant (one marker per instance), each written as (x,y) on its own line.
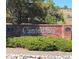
(40,43)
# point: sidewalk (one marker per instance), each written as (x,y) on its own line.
(47,54)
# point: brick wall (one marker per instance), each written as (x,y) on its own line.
(53,30)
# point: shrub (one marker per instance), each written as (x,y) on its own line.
(63,45)
(40,43)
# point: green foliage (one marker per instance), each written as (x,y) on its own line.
(40,43)
(63,45)
(50,19)
(20,10)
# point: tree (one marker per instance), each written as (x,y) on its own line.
(32,11)
(65,7)
(23,9)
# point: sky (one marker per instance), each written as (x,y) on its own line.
(62,3)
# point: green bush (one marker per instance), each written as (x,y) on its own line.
(40,43)
(63,45)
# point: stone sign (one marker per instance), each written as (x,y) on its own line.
(40,30)
(64,31)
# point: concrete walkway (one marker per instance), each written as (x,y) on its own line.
(21,51)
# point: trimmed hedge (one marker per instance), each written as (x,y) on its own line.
(40,43)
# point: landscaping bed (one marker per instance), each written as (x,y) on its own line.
(40,43)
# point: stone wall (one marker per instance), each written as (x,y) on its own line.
(54,30)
